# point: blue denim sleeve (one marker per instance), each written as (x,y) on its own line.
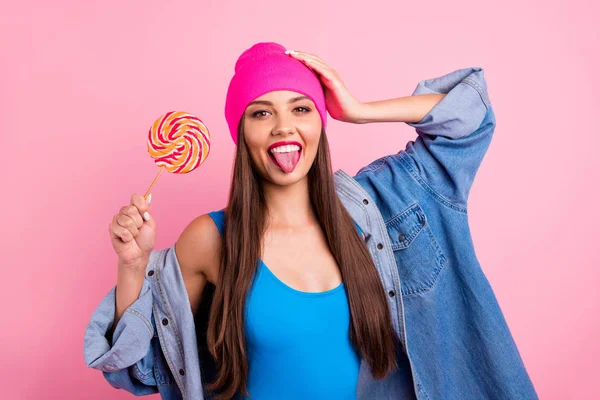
(139,378)
(454,135)
(126,359)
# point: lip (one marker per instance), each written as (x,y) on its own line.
(283,143)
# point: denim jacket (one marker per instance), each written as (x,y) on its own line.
(411,208)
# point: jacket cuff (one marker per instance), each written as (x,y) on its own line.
(131,337)
(463,108)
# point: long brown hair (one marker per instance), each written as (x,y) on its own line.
(371,331)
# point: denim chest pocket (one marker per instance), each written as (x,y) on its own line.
(418,256)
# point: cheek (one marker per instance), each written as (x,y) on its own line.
(313,147)
(257,156)
(253,142)
(313,123)
(314,137)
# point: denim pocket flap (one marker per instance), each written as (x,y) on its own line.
(406,226)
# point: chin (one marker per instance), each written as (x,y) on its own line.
(291,178)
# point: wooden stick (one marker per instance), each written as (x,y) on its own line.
(153,183)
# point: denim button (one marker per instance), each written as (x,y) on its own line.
(392,293)
(365,201)
(151,272)
(379,246)
(401,237)
(165,321)
(181,372)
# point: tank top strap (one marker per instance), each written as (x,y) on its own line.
(359,229)
(219,219)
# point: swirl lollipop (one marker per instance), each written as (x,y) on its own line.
(178,142)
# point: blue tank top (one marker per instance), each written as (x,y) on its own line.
(298,342)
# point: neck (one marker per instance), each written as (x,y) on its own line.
(288,206)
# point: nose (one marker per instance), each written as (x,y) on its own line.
(284,127)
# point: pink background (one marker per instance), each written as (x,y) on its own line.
(81,82)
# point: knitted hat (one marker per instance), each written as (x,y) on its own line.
(263,68)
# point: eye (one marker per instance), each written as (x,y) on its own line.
(258,114)
(255,113)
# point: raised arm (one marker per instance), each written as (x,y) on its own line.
(452,115)
(402,109)
(454,133)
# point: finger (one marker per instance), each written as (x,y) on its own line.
(317,65)
(310,63)
(309,56)
(325,72)
(322,68)
(134,213)
(118,232)
(127,223)
(299,55)
(303,54)
(142,204)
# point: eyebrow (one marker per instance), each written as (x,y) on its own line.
(268,103)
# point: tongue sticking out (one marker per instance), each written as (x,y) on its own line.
(287,161)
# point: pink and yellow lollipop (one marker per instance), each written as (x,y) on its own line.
(178,142)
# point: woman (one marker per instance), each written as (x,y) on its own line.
(345,287)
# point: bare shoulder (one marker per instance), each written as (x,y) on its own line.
(198,249)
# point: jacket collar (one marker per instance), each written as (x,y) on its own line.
(353,197)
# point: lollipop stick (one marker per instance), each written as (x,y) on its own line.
(153,183)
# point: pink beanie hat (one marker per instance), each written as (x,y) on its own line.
(263,68)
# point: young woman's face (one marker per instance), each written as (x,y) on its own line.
(282,116)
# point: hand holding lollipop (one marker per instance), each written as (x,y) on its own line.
(179,142)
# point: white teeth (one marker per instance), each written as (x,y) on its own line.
(285,149)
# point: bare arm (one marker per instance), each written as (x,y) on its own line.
(402,109)
(198,251)
(198,254)
(129,285)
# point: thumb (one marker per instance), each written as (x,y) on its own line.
(148,218)
(151,222)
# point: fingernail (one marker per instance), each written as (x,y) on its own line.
(146,216)
(149,198)
(290,52)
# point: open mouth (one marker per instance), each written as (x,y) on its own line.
(286,157)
